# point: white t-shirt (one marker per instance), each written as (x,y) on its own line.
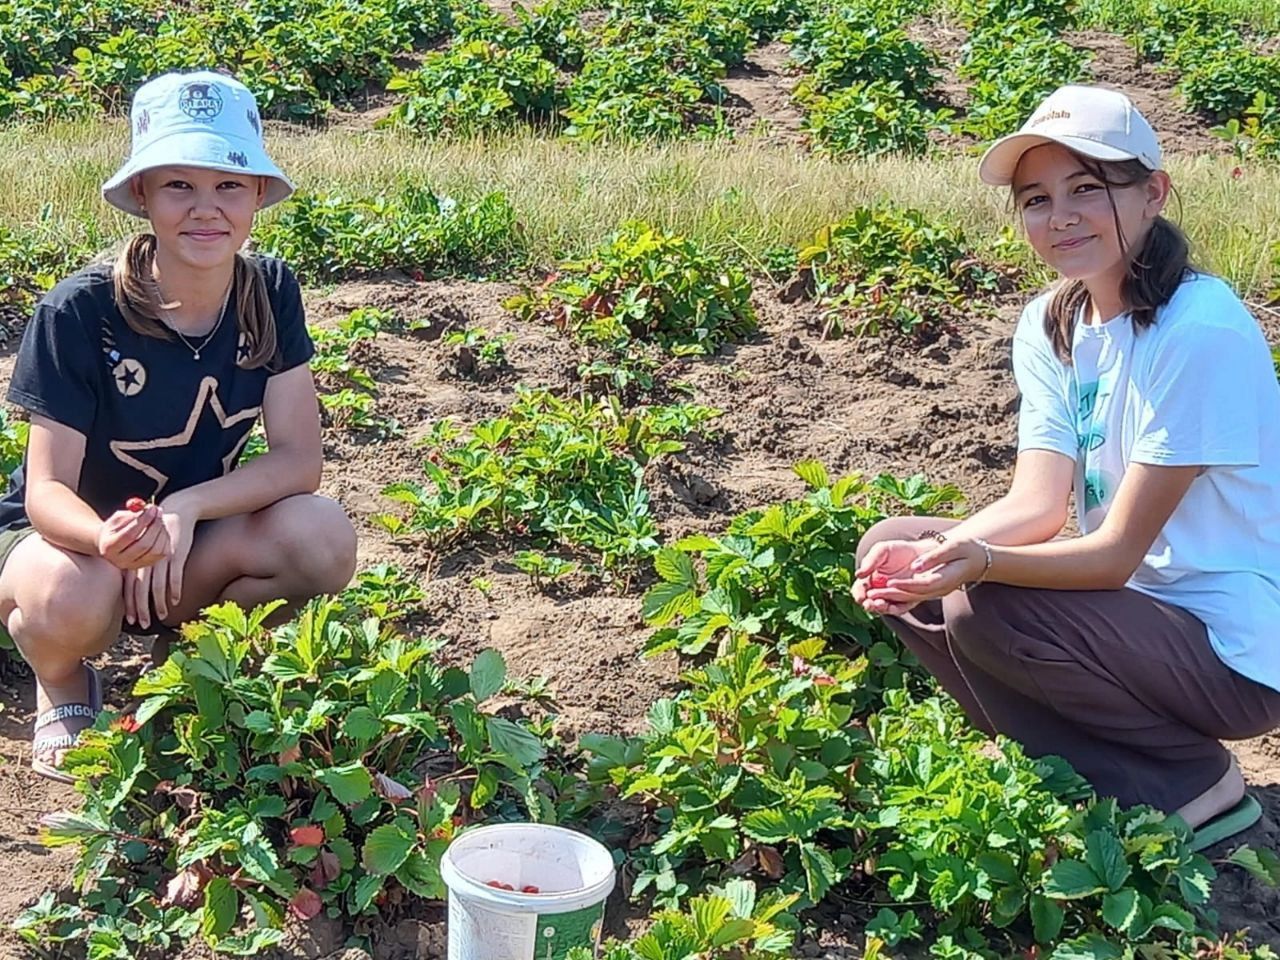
(1197,387)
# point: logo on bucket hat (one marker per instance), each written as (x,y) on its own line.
(200,101)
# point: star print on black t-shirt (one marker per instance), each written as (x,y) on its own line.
(155,419)
(129,377)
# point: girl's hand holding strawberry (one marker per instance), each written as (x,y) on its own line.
(887,562)
(939,569)
(133,538)
(159,587)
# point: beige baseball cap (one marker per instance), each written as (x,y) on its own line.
(1094,121)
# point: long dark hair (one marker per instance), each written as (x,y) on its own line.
(138,297)
(1153,272)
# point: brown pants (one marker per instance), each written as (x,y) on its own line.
(1124,687)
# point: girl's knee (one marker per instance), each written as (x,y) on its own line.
(978,621)
(318,544)
(338,554)
(70,600)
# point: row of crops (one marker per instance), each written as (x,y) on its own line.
(636,68)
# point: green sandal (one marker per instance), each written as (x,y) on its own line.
(1227,824)
(62,712)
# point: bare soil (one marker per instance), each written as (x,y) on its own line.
(759,95)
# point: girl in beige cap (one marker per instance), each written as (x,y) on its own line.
(1147,389)
(143,379)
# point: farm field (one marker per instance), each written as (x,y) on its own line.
(629,321)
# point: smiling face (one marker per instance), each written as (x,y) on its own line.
(200,217)
(1082,225)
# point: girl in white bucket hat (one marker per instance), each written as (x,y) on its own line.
(1148,391)
(143,378)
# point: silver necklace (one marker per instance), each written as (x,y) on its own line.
(195,351)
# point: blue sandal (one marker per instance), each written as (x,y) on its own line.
(1227,824)
(49,746)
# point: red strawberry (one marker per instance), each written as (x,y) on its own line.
(529,888)
(879,581)
(135,504)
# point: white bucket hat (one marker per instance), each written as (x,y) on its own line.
(199,119)
(1093,121)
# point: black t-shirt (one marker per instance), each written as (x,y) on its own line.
(155,419)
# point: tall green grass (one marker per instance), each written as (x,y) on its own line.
(739,199)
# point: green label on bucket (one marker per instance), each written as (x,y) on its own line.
(560,932)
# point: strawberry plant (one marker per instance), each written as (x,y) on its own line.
(994,839)
(788,771)
(732,922)
(13,450)
(647,285)
(295,58)
(384,592)
(1012,66)
(975,14)
(330,236)
(886,267)
(255,445)
(769,19)
(349,409)
(34,257)
(783,573)
(13,442)
(1227,84)
(642,81)
(347,391)
(554,28)
(1157,27)
(1257,133)
(868,120)
(336,361)
(852,44)
(476,84)
(626,373)
(718,24)
(477,354)
(541,567)
(551,470)
(323,765)
(752,765)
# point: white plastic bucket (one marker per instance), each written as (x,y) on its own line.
(573,872)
